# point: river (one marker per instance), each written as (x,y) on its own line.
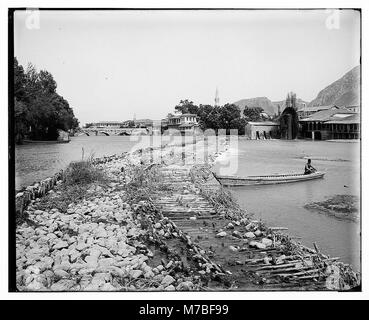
(34,162)
(283,205)
(278,205)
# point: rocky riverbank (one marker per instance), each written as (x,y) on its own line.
(113,239)
(128,232)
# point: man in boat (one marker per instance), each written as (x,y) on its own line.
(309,168)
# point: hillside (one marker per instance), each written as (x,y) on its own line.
(270,107)
(343,92)
(262,102)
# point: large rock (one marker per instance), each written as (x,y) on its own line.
(117,272)
(185,286)
(62,285)
(258,233)
(170,288)
(101,233)
(35,286)
(221,234)
(135,273)
(61,273)
(267,242)
(249,235)
(60,245)
(260,245)
(237,234)
(106,262)
(108,287)
(168,280)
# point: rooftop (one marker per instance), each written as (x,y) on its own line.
(187,115)
(352,119)
(108,122)
(188,124)
(326,115)
(317,108)
(264,123)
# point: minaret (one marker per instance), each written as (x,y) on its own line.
(216,100)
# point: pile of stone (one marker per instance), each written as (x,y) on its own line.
(100,243)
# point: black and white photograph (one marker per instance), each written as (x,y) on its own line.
(185,150)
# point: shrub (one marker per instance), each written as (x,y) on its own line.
(83,172)
(61,200)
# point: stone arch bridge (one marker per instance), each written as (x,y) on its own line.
(112,131)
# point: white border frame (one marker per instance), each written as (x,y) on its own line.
(4,294)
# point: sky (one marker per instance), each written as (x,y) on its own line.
(112,65)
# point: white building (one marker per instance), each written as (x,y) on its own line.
(186,122)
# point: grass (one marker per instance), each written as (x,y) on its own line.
(222,200)
(345,207)
(144,184)
(78,178)
(83,172)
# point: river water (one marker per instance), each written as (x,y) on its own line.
(36,162)
(283,205)
(278,205)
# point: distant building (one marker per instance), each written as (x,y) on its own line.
(339,123)
(262,130)
(107,124)
(186,122)
(143,123)
(308,111)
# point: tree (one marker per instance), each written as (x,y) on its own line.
(205,116)
(186,106)
(253,114)
(215,117)
(39,111)
(19,82)
(20,120)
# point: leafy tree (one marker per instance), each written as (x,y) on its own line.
(186,106)
(253,114)
(19,82)
(39,111)
(215,117)
(206,118)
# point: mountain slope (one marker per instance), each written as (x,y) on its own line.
(343,92)
(270,107)
(262,102)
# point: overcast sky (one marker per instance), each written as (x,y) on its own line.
(112,64)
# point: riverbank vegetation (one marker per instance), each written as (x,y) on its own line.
(345,207)
(39,111)
(80,176)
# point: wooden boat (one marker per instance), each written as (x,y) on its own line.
(269,179)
